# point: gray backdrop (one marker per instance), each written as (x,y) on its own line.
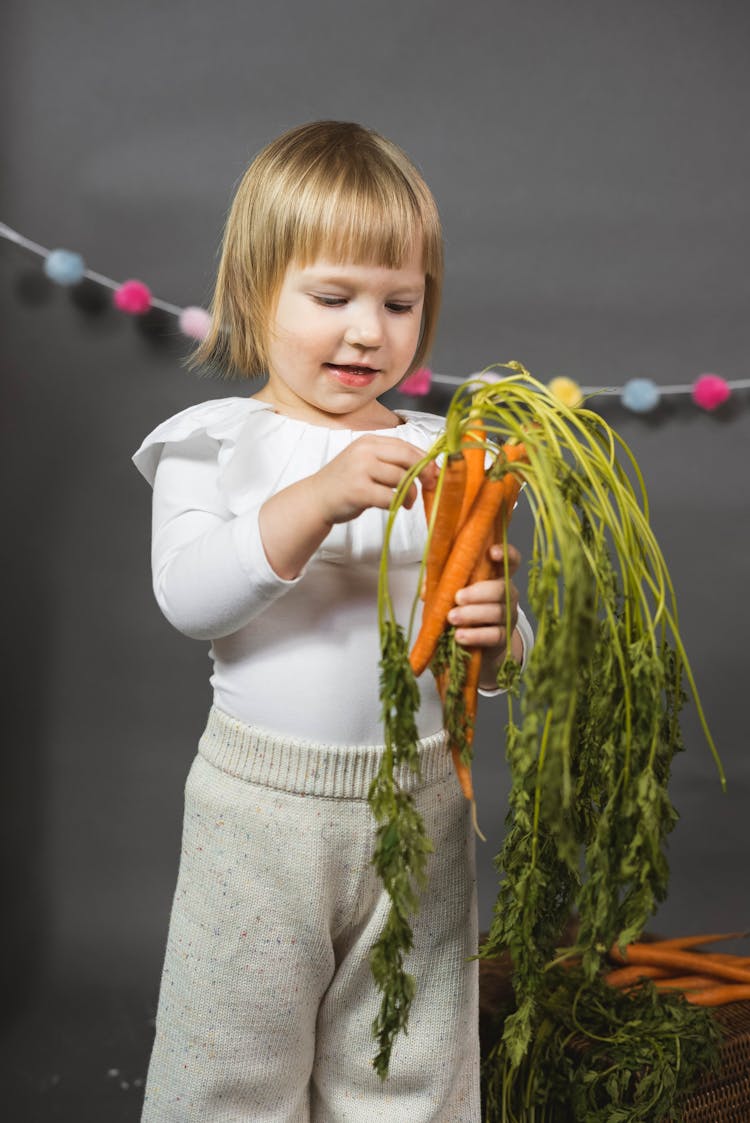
(591,165)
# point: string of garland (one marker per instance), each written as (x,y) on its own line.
(639,395)
(134,297)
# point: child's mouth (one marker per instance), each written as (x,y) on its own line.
(352,375)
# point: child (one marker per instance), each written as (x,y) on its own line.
(268,522)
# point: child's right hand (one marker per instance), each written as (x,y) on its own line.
(365,475)
(295,521)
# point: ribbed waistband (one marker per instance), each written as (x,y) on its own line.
(292,765)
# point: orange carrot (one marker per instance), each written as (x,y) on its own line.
(696,941)
(718,996)
(513,488)
(469,542)
(446,519)
(456,572)
(474,454)
(482,570)
(484,567)
(687,961)
(685,982)
(513,452)
(738,960)
(471,683)
(428,501)
(626,976)
(462,770)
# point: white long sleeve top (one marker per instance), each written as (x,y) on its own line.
(299,658)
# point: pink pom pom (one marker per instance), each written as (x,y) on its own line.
(133,297)
(417,384)
(195,322)
(710,391)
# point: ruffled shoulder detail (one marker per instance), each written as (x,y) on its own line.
(221,419)
(260,452)
(431,423)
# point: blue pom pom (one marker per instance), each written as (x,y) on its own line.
(64,267)
(641,395)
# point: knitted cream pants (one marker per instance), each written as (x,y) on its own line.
(267,1001)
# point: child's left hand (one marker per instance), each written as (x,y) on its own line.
(480,615)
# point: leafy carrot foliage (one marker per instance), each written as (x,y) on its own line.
(601,1056)
(402,844)
(591,735)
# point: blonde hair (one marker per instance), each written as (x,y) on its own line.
(333,188)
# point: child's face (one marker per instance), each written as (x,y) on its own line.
(341,336)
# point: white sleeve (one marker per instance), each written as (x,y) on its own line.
(526,633)
(210,572)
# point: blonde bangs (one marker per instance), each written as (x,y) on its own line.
(365,221)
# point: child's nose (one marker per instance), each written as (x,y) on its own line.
(364,330)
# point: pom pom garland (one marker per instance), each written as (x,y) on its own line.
(133,297)
(567,391)
(641,395)
(195,322)
(64,267)
(710,391)
(417,384)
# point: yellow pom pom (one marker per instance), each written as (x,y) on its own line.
(566,391)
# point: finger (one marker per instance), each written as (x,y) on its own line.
(386,473)
(481,637)
(484,613)
(477,615)
(429,476)
(497,554)
(396,451)
(411,497)
(485,592)
(392,480)
(381,496)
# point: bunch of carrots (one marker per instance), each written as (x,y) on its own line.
(467,513)
(705,978)
(591,737)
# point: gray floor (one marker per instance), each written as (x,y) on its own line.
(77,1050)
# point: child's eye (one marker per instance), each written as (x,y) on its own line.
(328,301)
(400,309)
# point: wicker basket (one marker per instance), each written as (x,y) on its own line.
(721,1097)
(724,1096)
